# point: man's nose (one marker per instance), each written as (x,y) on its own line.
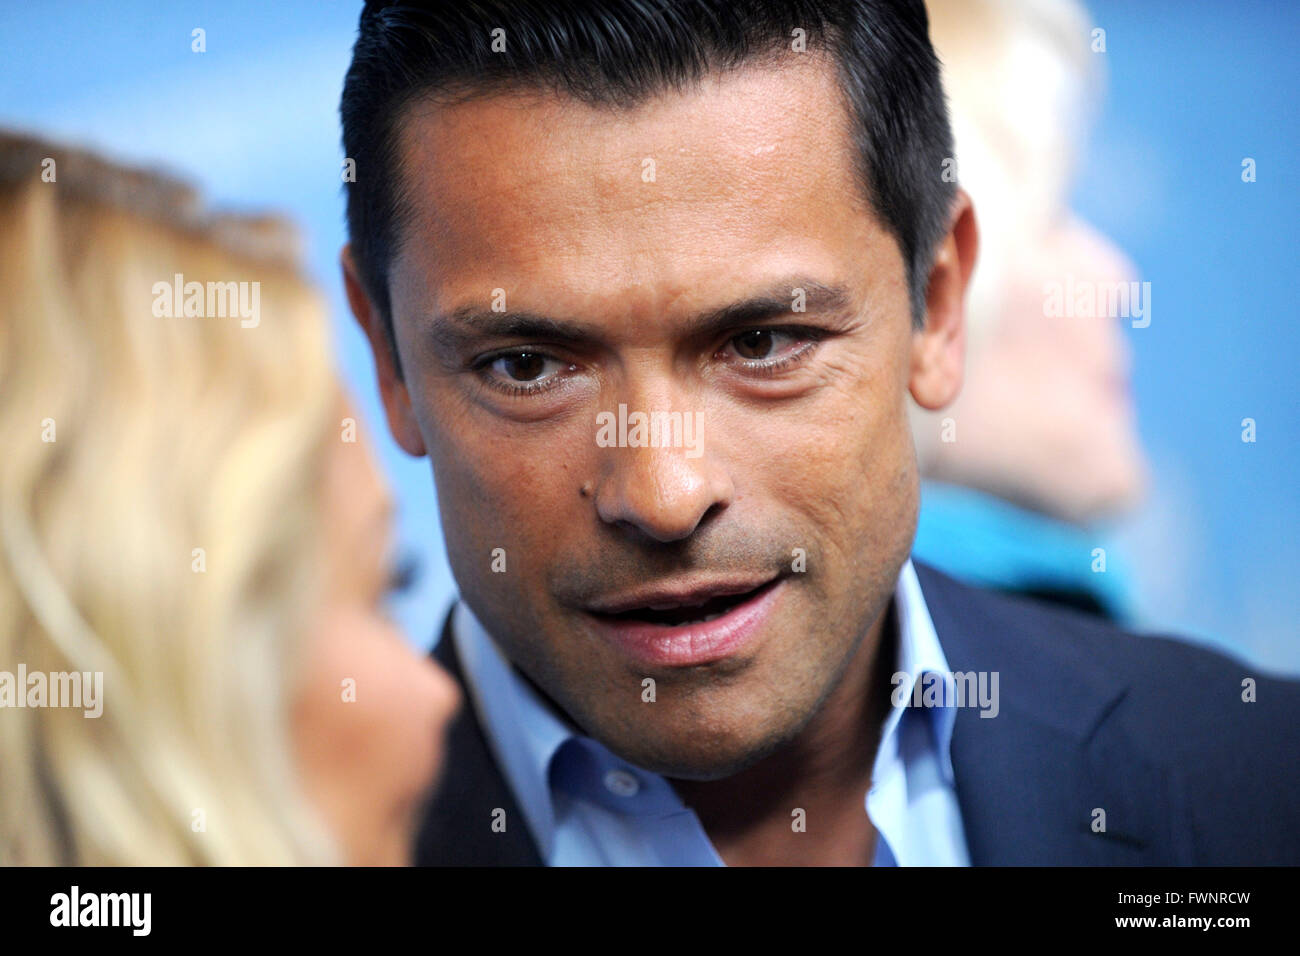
(663,493)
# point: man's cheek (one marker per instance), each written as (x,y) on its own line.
(822,460)
(505,514)
(476,525)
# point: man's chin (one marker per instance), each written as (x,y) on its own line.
(700,754)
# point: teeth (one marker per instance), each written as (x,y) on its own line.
(677,607)
(687,614)
(695,620)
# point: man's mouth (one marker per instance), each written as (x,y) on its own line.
(677,615)
(687,624)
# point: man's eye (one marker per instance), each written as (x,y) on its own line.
(765,345)
(756,344)
(522,370)
(522,367)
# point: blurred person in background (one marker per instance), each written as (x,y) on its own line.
(180,512)
(1042,442)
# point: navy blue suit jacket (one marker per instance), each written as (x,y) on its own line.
(1151,730)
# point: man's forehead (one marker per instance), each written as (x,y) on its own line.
(752,172)
(741,111)
(524,150)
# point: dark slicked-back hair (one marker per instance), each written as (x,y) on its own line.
(618,53)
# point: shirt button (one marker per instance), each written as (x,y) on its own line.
(621,783)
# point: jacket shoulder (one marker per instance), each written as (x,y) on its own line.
(1188,676)
(1224,732)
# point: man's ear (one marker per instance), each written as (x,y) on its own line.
(939,348)
(397,400)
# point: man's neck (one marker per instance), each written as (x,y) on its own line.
(751,817)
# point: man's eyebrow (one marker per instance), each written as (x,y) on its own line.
(774,302)
(471,322)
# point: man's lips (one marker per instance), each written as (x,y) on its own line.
(687,623)
(683,593)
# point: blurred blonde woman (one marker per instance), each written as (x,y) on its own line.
(181,512)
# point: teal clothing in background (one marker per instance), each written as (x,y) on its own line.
(991,543)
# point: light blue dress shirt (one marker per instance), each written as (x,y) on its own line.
(584,806)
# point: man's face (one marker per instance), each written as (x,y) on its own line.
(786,503)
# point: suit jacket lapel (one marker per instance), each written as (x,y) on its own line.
(457,829)
(1033,781)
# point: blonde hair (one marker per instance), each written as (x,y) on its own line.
(130,442)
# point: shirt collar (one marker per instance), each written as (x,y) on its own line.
(523,730)
(529,737)
(919,654)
